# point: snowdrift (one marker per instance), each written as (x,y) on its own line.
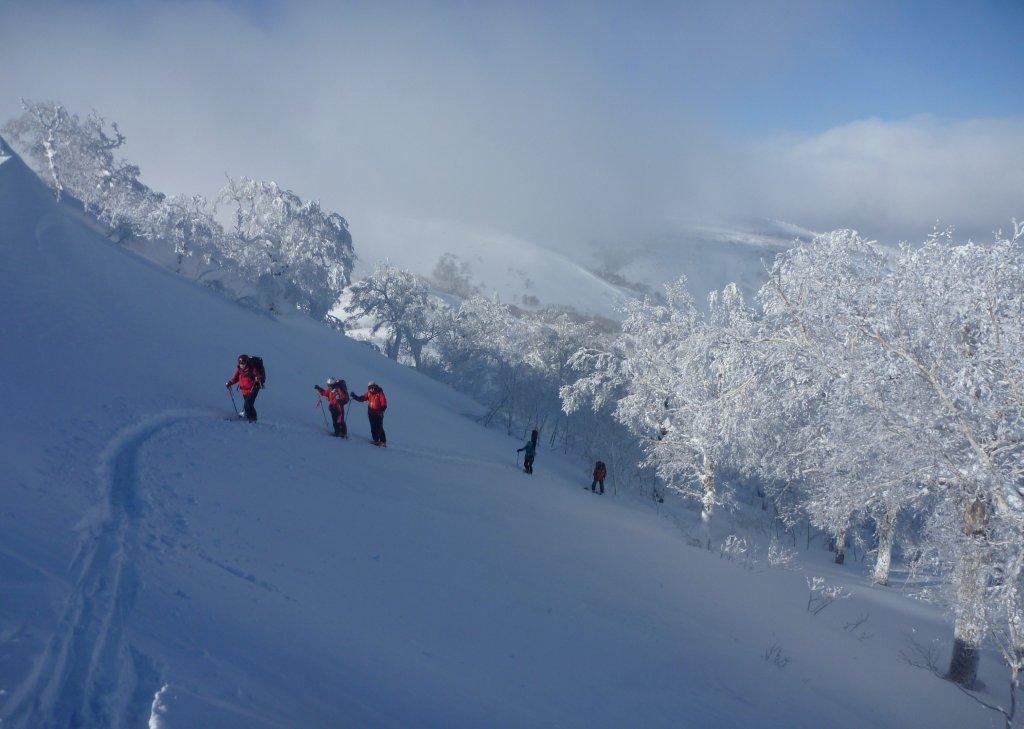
(161,562)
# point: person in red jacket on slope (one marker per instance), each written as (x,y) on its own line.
(249,375)
(600,471)
(337,395)
(376,404)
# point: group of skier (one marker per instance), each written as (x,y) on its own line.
(251,376)
(338,395)
(529,451)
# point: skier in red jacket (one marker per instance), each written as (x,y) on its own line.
(337,395)
(599,473)
(249,375)
(376,404)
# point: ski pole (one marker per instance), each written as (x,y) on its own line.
(320,404)
(234,405)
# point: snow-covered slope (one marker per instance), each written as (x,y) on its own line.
(710,256)
(518,270)
(514,268)
(160,562)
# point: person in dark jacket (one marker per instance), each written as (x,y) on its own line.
(337,396)
(599,473)
(376,404)
(530,451)
(250,381)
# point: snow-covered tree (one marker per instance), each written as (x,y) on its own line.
(75,155)
(927,344)
(294,248)
(185,222)
(452,275)
(874,382)
(483,354)
(281,250)
(820,430)
(957,324)
(401,306)
(678,379)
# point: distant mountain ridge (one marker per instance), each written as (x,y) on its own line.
(710,256)
(531,276)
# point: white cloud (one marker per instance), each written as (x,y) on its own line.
(498,117)
(895,179)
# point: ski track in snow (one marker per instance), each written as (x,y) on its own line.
(434,455)
(441,457)
(89,675)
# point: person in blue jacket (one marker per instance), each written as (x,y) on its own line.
(531,451)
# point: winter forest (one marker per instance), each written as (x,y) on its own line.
(866,399)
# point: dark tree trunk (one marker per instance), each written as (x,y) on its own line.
(963,666)
(841,546)
(970,578)
(394,347)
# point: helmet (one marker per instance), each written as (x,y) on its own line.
(371,383)
(243,359)
(331,382)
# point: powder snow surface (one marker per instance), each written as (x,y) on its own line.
(161,563)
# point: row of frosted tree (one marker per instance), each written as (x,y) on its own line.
(867,387)
(276,253)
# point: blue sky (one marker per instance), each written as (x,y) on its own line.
(558,121)
(807,66)
(953,60)
(802,66)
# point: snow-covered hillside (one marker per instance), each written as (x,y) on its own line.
(710,256)
(159,561)
(531,276)
(521,272)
